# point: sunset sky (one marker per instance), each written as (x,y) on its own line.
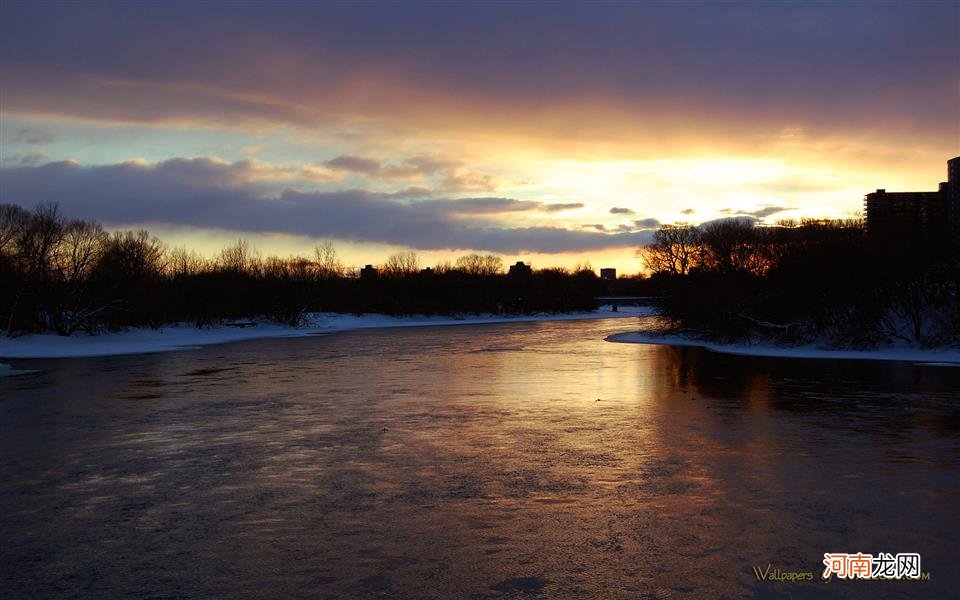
(555,133)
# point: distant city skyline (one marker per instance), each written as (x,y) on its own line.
(555,134)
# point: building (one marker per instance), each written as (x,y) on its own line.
(368,272)
(609,274)
(520,270)
(953,201)
(929,217)
(906,215)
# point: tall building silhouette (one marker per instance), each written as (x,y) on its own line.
(953,201)
(930,217)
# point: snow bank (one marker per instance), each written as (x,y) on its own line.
(181,336)
(931,357)
(8,371)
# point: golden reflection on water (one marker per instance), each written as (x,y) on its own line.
(470,461)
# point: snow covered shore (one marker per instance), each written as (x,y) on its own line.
(180,336)
(937,357)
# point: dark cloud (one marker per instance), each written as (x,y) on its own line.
(33,136)
(562,206)
(454,179)
(356,164)
(638,226)
(411,192)
(415,166)
(766,211)
(687,211)
(620,211)
(478,206)
(759,213)
(647,223)
(208,193)
(818,65)
(26,160)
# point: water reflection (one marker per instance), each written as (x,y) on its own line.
(493,461)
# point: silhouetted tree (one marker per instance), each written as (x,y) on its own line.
(675,249)
(401,264)
(70,276)
(327,262)
(475,264)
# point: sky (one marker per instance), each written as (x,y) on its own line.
(556,133)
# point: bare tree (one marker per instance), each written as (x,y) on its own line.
(729,245)
(241,257)
(13,221)
(181,261)
(79,252)
(675,249)
(584,269)
(132,256)
(400,264)
(328,265)
(80,249)
(475,264)
(38,241)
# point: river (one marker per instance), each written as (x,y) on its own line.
(481,461)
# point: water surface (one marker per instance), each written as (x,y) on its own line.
(474,461)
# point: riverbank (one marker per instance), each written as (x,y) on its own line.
(182,336)
(934,357)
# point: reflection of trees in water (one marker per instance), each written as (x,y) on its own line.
(881,396)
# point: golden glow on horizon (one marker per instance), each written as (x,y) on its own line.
(668,178)
(667,189)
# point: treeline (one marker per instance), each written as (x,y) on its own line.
(69,276)
(799,282)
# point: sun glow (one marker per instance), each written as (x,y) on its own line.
(669,189)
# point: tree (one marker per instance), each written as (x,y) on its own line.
(675,249)
(475,264)
(78,253)
(13,221)
(38,242)
(129,275)
(401,263)
(729,245)
(241,257)
(182,262)
(80,249)
(328,265)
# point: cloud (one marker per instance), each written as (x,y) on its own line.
(469,182)
(637,226)
(204,192)
(688,211)
(410,192)
(419,166)
(453,177)
(513,69)
(767,211)
(557,207)
(356,164)
(478,206)
(760,213)
(33,136)
(647,223)
(26,160)
(620,211)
